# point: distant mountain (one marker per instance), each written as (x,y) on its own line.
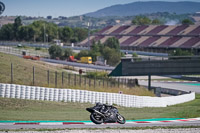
(137,8)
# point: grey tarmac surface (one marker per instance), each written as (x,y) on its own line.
(181,130)
(177,86)
(103,126)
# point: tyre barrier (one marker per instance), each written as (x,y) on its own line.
(84,96)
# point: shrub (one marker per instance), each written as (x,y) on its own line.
(97,75)
(37,48)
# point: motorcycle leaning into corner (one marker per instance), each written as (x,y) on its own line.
(102,113)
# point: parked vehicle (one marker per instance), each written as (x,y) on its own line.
(87,60)
(71,59)
(35,58)
(31,57)
(102,113)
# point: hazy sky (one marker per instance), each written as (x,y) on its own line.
(57,8)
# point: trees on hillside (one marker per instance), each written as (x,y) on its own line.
(6,32)
(55,51)
(80,33)
(156,22)
(67,52)
(143,20)
(112,55)
(41,31)
(16,28)
(112,43)
(110,50)
(25,33)
(66,34)
(187,21)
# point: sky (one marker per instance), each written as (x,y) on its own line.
(58,8)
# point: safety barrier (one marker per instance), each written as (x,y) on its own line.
(84,96)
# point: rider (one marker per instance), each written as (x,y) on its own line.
(103,107)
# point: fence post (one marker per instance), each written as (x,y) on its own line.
(118,82)
(80,79)
(85,82)
(11,73)
(89,82)
(107,82)
(99,82)
(55,79)
(74,79)
(114,81)
(33,75)
(126,82)
(69,79)
(103,82)
(62,79)
(48,77)
(111,82)
(94,82)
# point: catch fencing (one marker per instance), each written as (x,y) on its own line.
(36,76)
(83,96)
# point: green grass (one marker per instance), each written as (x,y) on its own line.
(16,109)
(23,75)
(22,70)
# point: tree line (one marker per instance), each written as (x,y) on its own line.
(41,31)
(110,51)
(144,20)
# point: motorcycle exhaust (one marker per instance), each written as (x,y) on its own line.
(91,110)
(99,113)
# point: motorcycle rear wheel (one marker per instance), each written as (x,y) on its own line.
(95,118)
(120,119)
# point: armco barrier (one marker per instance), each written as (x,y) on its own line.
(70,95)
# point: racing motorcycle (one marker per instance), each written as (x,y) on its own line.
(102,113)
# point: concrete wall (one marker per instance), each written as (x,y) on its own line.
(160,67)
(83,96)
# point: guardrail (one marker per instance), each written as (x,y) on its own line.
(17,51)
(83,96)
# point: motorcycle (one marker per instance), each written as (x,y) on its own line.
(102,113)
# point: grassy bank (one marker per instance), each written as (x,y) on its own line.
(15,109)
(23,74)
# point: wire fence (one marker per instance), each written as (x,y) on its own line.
(60,79)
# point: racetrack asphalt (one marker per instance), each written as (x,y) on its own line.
(161,122)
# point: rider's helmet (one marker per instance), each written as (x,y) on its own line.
(99,104)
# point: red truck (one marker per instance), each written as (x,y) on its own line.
(71,59)
(31,57)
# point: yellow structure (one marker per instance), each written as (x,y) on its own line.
(87,60)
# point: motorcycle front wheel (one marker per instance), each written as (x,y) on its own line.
(95,118)
(120,119)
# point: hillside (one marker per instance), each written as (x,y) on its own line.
(137,8)
(23,74)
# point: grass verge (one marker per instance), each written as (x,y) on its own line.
(17,109)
